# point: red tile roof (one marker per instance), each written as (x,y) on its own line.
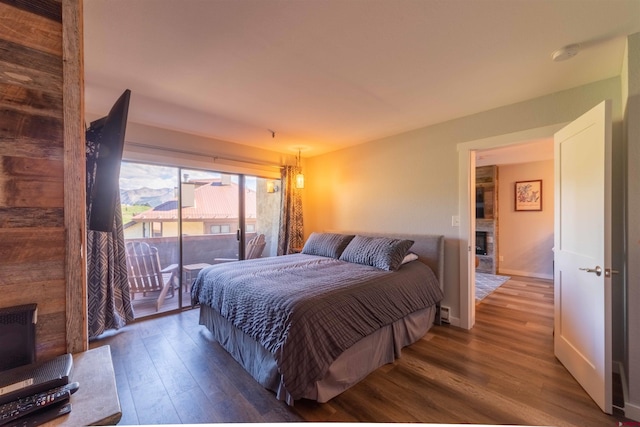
(212,201)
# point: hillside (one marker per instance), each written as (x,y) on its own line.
(146,196)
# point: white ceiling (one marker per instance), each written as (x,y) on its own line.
(326,74)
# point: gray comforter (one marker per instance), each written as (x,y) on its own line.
(306,310)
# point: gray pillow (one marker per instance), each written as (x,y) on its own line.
(381,252)
(326,244)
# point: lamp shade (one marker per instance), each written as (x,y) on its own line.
(299,180)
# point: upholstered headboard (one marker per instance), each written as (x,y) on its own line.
(428,247)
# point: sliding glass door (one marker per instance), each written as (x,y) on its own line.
(150,221)
(262,216)
(210,221)
(193,219)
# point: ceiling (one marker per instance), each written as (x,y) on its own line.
(320,75)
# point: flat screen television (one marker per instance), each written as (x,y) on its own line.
(108,132)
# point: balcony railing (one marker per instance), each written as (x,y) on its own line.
(196,249)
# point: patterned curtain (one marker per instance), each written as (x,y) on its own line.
(109,303)
(291,236)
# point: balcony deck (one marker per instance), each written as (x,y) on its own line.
(146,306)
(197,251)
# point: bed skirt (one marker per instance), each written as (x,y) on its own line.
(366,355)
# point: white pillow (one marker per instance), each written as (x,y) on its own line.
(409,257)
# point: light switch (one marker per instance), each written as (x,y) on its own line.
(455,221)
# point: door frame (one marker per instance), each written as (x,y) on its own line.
(466,209)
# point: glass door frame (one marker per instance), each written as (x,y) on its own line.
(181,253)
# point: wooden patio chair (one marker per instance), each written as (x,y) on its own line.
(255,247)
(146,276)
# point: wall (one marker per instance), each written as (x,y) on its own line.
(41,179)
(526,238)
(409,182)
(166,147)
(632,139)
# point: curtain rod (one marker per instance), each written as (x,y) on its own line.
(215,157)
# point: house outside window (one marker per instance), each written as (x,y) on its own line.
(220,229)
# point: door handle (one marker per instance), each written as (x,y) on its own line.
(608,272)
(597,270)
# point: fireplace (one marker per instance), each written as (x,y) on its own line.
(17,335)
(481,242)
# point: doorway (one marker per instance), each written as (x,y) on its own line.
(514,215)
(467,162)
(467,158)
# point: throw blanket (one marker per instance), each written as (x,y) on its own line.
(306,310)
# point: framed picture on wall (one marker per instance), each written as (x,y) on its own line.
(529,195)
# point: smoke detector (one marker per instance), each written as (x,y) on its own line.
(565,53)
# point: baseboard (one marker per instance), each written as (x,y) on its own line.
(454,321)
(507,272)
(632,411)
(618,368)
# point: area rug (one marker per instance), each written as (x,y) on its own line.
(487,283)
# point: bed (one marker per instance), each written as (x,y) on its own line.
(311,325)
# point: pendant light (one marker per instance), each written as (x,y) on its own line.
(300,175)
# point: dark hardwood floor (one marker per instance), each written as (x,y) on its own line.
(168,370)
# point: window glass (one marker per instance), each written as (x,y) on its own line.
(147,193)
(191,218)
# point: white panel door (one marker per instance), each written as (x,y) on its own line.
(582,247)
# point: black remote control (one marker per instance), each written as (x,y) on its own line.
(71,387)
(19,408)
(37,418)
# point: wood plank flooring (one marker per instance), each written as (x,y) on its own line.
(168,370)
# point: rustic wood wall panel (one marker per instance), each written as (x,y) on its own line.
(35,273)
(37,79)
(29,182)
(33,235)
(12,146)
(74,176)
(30,101)
(47,8)
(31,30)
(30,217)
(49,290)
(45,245)
(51,333)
